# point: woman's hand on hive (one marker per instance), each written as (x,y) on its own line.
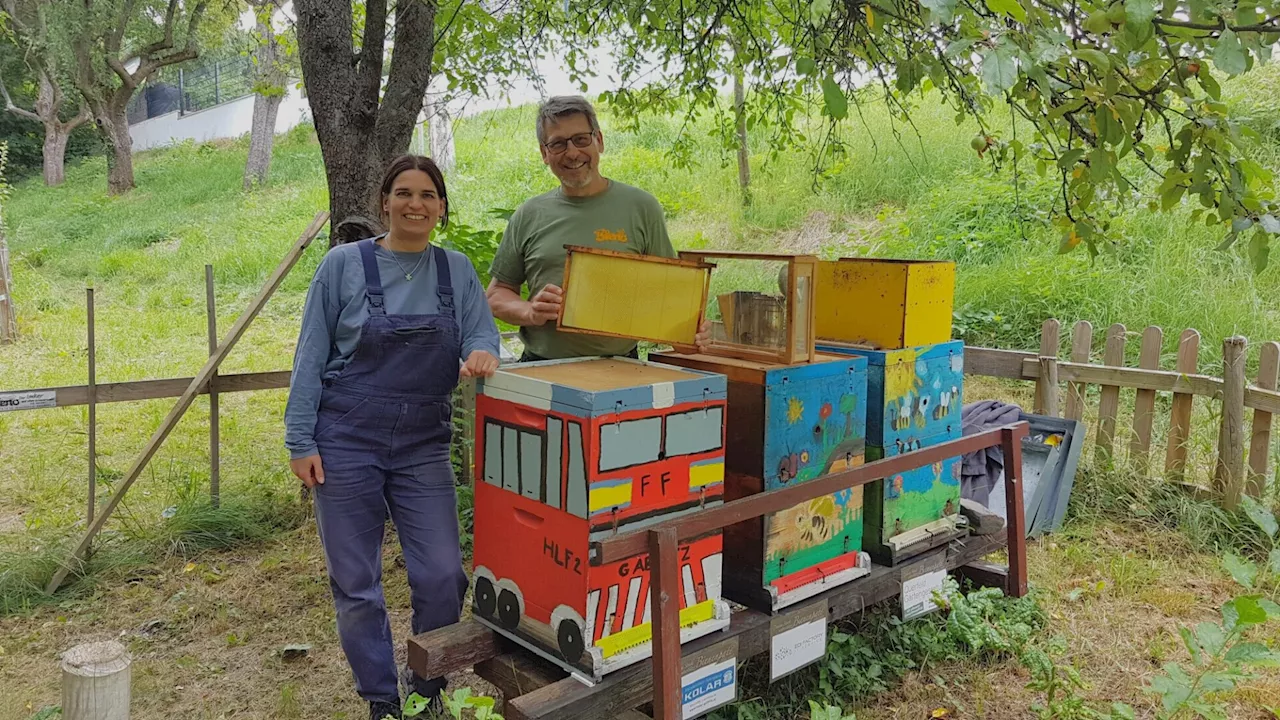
(479,364)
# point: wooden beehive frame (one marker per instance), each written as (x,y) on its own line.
(680,343)
(796,348)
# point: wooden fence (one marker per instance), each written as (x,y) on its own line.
(1231,478)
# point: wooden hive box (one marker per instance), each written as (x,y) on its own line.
(790,424)
(885,304)
(914,401)
(763,326)
(574,451)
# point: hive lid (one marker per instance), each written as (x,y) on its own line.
(594,386)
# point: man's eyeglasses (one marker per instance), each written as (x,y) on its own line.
(580,140)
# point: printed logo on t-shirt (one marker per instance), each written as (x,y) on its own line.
(611,236)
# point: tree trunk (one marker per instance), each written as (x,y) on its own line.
(357,133)
(739,109)
(55,152)
(440,135)
(269,84)
(115,128)
(261,139)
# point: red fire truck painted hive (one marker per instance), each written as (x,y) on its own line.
(575,451)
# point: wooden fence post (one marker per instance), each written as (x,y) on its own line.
(1175,462)
(8,316)
(1260,444)
(664,588)
(1047,383)
(1109,403)
(93,409)
(1144,406)
(1228,472)
(95,682)
(215,460)
(1081,341)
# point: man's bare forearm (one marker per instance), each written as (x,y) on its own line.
(507,305)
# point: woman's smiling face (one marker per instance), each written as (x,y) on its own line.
(414,206)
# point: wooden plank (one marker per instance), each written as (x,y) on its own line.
(1144,406)
(1175,461)
(1081,341)
(1046,395)
(1011,445)
(664,589)
(215,460)
(619,691)
(636,542)
(1260,441)
(983,574)
(189,396)
(516,673)
(1137,378)
(1262,399)
(129,391)
(990,362)
(1228,474)
(702,255)
(453,647)
(1109,404)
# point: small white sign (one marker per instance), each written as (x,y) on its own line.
(798,640)
(917,594)
(709,687)
(28,400)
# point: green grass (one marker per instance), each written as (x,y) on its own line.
(145,252)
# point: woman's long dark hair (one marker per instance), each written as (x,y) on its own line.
(405,163)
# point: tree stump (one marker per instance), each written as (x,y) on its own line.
(95,682)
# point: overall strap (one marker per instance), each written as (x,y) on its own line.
(444,288)
(372,280)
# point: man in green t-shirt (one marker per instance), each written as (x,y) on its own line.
(587,209)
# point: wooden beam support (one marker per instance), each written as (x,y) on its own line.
(189,396)
(1109,403)
(630,687)
(1011,445)
(1046,396)
(1081,342)
(664,592)
(636,542)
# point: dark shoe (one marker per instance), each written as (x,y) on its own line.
(429,689)
(381,710)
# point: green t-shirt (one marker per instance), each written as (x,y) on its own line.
(622,218)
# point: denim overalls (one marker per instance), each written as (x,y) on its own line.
(383,432)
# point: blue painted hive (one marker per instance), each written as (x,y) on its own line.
(788,424)
(914,399)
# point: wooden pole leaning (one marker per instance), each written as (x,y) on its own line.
(215,430)
(193,389)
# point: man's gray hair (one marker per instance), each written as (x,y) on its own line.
(560,106)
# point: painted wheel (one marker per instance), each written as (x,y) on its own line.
(508,610)
(571,646)
(486,597)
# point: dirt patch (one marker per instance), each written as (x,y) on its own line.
(10,522)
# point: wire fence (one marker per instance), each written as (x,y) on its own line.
(190,88)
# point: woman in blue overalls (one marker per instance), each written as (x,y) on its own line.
(390,324)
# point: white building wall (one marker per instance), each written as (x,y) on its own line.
(228,120)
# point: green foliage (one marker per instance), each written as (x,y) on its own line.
(476,243)
(1221,654)
(463,699)
(1118,98)
(872,654)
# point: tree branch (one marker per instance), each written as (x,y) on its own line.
(20,112)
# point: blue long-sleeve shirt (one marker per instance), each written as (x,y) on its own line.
(337,308)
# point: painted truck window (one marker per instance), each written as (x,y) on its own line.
(631,442)
(531,465)
(694,432)
(554,439)
(511,459)
(493,453)
(576,502)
